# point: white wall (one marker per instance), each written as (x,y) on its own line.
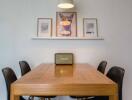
(18,22)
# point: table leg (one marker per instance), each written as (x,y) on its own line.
(113,97)
(14,97)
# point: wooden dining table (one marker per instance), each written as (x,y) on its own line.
(64,80)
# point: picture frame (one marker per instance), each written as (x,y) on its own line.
(44,27)
(90,28)
(66,24)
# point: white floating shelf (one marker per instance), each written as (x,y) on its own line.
(67,38)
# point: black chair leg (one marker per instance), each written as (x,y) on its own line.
(79,98)
(42,98)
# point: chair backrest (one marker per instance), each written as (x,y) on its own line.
(116,74)
(24,66)
(102,66)
(10,77)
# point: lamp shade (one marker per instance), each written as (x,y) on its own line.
(65,4)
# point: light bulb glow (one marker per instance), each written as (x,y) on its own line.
(65,5)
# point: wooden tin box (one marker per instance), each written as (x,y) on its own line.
(63,58)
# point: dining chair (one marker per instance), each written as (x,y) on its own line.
(116,74)
(102,66)
(25,68)
(10,77)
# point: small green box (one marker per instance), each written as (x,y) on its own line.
(63,58)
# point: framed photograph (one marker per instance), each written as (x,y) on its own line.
(90,27)
(66,24)
(44,27)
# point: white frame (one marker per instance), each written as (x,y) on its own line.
(44,27)
(90,28)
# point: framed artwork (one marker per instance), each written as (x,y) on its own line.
(90,27)
(44,27)
(66,24)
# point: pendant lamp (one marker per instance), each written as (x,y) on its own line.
(65,4)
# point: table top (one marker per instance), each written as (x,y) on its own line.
(64,74)
(51,78)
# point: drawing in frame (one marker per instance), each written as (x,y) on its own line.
(44,27)
(66,24)
(90,28)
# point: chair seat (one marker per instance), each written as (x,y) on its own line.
(46,96)
(94,98)
(78,96)
(88,97)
